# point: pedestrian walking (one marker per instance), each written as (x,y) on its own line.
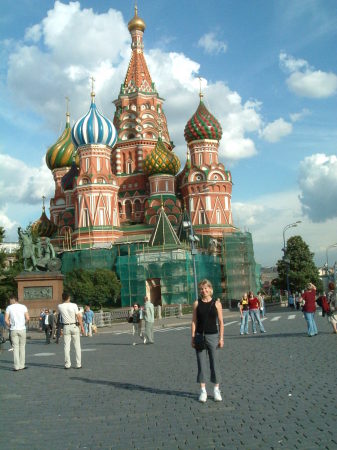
(136,323)
(331,300)
(262,304)
(48,324)
(72,323)
(88,320)
(149,321)
(309,309)
(254,311)
(16,318)
(207,337)
(244,314)
(298,300)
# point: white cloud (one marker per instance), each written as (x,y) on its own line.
(305,81)
(22,183)
(211,45)
(276,130)
(295,117)
(266,218)
(318,185)
(9,225)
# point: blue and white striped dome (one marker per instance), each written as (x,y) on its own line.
(94,128)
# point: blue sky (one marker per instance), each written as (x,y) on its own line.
(269,74)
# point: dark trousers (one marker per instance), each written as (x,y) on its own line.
(48,330)
(212,341)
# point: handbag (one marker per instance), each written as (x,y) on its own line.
(200,339)
(130,319)
(199,342)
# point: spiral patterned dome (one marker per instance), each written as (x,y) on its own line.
(161,161)
(44,227)
(61,154)
(202,125)
(94,128)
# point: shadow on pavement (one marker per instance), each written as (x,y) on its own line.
(137,387)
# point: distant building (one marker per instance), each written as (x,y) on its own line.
(10,248)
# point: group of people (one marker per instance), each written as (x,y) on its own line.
(251,306)
(139,314)
(207,328)
(51,323)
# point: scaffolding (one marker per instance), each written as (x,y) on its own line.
(240,270)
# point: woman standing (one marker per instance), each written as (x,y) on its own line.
(206,313)
(254,311)
(244,313)
(309,308)
(135,314)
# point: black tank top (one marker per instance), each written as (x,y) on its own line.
(207,317)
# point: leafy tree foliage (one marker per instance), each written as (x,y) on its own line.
(8,285)
(97,287)
(301,267)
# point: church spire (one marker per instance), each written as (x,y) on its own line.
(138,78)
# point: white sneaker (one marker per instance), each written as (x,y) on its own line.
(11,349)
(203,396)
(145,340)
(217,395)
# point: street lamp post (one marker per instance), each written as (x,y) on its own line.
(287,262)
(327,257)
(193,239)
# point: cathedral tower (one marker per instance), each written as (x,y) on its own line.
(138,118)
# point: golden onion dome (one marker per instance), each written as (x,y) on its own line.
(43,227)
(61,154)
(136,23)
(161,161)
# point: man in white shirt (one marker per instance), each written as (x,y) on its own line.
(149,321)
(16,317)
(71,332)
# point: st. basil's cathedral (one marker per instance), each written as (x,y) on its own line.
(115,178)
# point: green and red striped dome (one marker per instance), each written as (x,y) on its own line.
(44,227)
(202,125)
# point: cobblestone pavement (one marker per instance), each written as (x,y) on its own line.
(279,392)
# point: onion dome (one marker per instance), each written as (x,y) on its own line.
(136,23)
(68,178)
(161,161)
(43,227)
(202,125)
(61,153)
(94,128)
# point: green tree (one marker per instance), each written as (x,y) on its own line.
(97,287)
(301,267)
(8,285)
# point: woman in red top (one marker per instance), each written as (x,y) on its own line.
(254,311)
(309,308)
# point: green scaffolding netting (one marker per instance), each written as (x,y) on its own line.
(241,272)
(137,265)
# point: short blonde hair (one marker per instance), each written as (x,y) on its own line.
(207,283)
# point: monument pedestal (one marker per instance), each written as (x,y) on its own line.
(40,290)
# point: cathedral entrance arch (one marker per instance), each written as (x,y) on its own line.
(153,291)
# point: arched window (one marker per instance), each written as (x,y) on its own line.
(128,209)
(137,205)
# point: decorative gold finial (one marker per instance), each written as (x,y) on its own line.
(43,207)
(92,88)
(200,92)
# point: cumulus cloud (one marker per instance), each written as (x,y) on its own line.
(276,130)
(9,225)
(211,45)
(305,81)
(266,216)
(21,183)
(318,185)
